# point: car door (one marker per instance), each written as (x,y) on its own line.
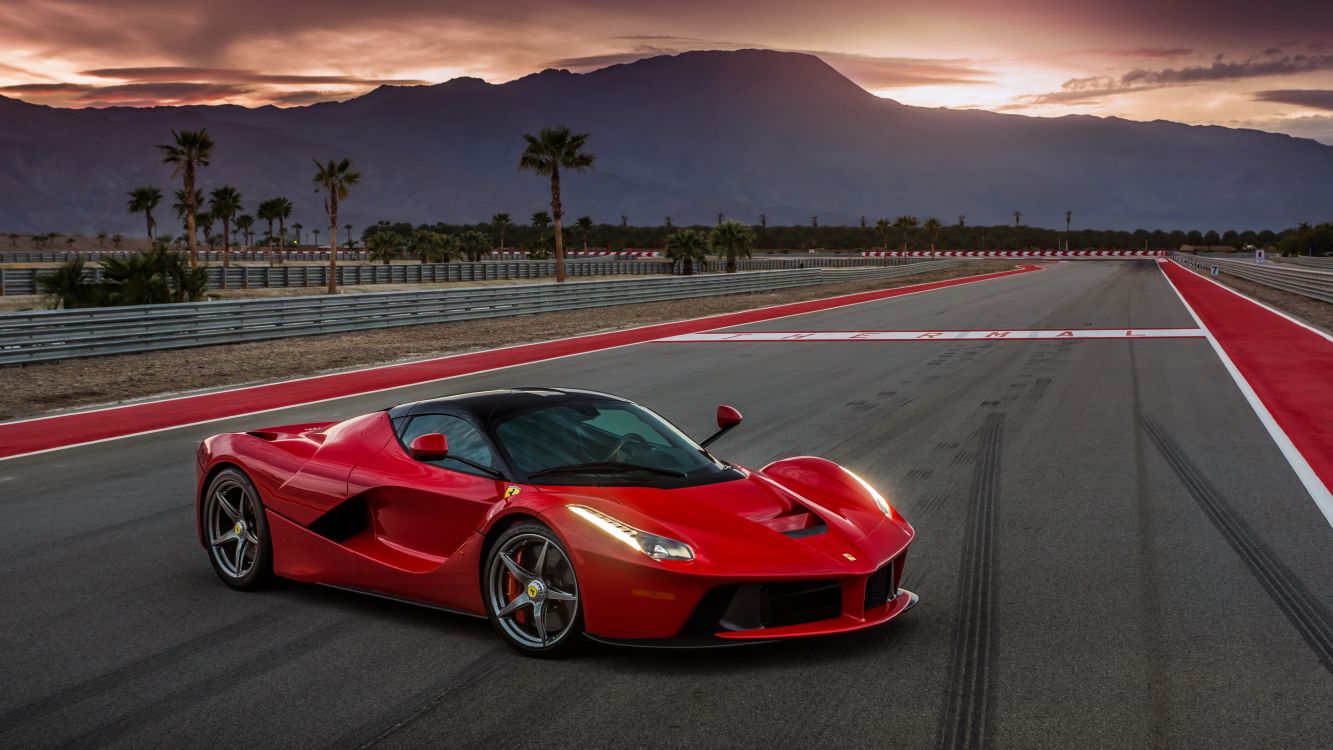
(422,511)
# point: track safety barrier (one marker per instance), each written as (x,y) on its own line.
(63,334)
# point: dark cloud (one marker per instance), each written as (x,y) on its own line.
(171,73)
(1309,98)
(1142,52)
(1228,71)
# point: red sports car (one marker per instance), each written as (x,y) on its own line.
(557,514)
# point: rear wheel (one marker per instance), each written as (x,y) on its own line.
(531,592)
(236,531)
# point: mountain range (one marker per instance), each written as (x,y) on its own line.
(741,133)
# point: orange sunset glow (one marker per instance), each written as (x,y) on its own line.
(1230,63)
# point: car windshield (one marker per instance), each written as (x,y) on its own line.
(603,442)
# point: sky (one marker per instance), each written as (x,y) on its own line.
(1238,63)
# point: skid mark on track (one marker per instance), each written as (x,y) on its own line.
(255,665)
(968,717)
(408,713)
(114,680)
(1301,608)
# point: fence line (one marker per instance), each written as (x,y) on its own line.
(24,280)
(62,334)
(1307,282)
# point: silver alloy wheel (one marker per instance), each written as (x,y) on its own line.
(231,527)
(533,591)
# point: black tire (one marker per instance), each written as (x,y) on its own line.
(249,532)
(561,618)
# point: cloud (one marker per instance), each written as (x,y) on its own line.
(1141,52)
(1097,88)
(131,94)
(175,73)
(1309,98)
(1229,71)
(301,98)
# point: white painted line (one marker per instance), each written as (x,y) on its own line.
(1313,485)
(971,335)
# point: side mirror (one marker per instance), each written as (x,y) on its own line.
(429,447)
(727,418)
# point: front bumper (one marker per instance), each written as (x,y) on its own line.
(900,603)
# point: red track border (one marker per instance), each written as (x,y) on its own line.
(42,434)
(1285,364)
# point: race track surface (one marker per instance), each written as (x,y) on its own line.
(1112,552)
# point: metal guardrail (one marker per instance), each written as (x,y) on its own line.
(64,334)
(1306,282)
(24,280)
(9,255)
(1311,262)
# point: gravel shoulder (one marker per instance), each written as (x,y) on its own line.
(1312,311)
(35,389)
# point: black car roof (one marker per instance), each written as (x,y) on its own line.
(497,404)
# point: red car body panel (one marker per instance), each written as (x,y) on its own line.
(425,536)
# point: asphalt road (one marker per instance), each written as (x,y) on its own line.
(1111,553)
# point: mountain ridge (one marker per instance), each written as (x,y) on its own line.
(688,136)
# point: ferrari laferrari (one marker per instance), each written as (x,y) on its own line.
(559,515)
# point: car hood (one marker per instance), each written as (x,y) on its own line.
(754,524)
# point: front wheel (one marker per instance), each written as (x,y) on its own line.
(236,531)
(531,592)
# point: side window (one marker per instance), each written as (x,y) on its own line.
(465,441)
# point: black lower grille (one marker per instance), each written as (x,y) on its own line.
(766,605)
(879,586)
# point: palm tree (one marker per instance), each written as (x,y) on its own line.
(382,246)
(1018,218)
(932,227)
(282,211)
(686,247)
(906,224)
(668,222)
(244,222)
(624,220)
(351,243)
(863,222)
(884,225)
(1069,217)
(192,149)
(13,239)
(224,204)
(546,154)
(145,199)
(763,221)
(472,244)
(335,178)
(814,222)
(268,212)
(720,217)
(116,239)
(962,220)
(540,221)
(500,222)
(731,240)
(584,224)
(204,220)
(315,232)
(297,228)
(182,207)
(101,238)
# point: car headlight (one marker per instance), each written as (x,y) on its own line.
(652,545)
(880,502)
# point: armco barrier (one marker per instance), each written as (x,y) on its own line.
(1307,282)
(63,334)
(24,280)
(1036,254)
